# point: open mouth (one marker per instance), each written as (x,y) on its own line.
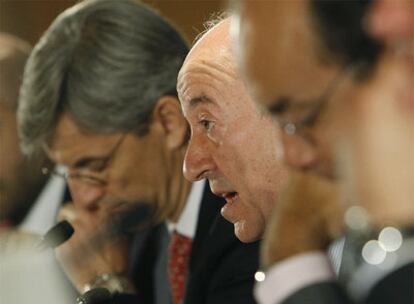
(230,196)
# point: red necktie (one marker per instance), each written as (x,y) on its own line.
(180,249)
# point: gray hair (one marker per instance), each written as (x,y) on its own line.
(214,19)
(106,62)
(13,55)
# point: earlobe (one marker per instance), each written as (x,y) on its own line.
(174,125)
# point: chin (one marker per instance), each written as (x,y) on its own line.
(247,233)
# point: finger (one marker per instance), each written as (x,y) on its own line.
(67,212)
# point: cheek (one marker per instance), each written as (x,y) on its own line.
(133,177)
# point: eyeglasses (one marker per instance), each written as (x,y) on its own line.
(297,126)
(88,178)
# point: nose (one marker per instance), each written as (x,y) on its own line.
(299,153)
(84,195)
(197,161)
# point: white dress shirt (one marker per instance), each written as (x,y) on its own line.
(187,223)
(42,215)
(285,278)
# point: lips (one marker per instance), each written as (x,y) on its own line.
(229,210)
(230,197)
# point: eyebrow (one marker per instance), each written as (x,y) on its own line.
(281,104)
(86,161)
(194,102)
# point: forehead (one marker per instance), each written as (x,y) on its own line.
(207,65)
(213,85)
(279,49)
(70,140)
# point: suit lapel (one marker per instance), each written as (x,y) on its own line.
(209,211)
(214,237)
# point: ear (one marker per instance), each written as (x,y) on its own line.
(168,114)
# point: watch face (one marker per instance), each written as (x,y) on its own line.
(80,300)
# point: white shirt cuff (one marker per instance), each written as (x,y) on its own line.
(285,278)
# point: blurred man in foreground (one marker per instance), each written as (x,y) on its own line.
(23,192)
(99,96)
(233,144)
(342,100)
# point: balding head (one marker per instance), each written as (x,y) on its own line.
(232,144)
(214,48)
(216,39)
(13,55)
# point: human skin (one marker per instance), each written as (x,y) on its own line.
(133,169)
(233,144)
(351,120)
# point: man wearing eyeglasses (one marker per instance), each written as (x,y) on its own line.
(99,96)
(342,99)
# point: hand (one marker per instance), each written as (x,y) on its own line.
(379,144)
(90,251)
(308,217)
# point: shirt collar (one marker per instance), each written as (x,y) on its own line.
(187,222)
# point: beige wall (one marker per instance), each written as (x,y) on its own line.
(28,19)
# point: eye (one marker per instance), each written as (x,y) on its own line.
(207,124)
(280,106)
(98,165)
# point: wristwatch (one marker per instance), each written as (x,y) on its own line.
(112,282)
(95,296)
(101,289)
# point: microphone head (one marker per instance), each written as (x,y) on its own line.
(57,235)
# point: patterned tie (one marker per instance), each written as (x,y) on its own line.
(180,249)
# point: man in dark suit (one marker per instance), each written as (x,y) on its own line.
(99,97)
(330,85)
(220,266)
(233,145)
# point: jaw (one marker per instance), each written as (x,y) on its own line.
(247,233)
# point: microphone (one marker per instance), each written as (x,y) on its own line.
(127,222)
(95,296)
(56,236)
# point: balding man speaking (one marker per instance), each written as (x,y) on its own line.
(233,144)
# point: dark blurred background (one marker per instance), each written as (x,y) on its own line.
(28,19)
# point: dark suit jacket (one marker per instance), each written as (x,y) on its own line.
(396,287)
(221,268)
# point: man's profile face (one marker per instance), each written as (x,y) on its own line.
(278,51)
(232,144)
(109,172)
(371,118)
